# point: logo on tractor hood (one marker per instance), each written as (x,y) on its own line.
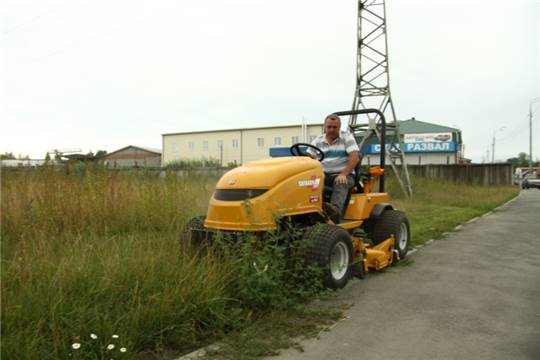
(232,181)
(314,183)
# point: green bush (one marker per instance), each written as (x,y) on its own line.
(270,270)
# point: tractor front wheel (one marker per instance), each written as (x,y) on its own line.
(330,248)
(195,233)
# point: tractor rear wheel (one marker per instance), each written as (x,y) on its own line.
(393,222)
(330,248)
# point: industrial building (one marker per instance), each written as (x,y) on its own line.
(234,146)
(423,142)
(133,156)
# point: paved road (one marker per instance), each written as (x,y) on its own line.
(473,295)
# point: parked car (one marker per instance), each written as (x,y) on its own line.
(443,137)
(530,180)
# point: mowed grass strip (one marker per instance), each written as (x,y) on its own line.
(88,251)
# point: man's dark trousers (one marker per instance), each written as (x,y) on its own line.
(339,191)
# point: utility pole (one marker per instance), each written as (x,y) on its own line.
(493,150)
(530,129)
(493,143)
(221,154)
(530,137)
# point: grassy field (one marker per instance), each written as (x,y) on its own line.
(88,253)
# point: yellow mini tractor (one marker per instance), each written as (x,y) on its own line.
(370,236)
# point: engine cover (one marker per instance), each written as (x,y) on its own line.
(252,196)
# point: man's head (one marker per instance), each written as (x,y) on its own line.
(332,126)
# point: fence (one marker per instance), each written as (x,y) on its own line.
(482,174)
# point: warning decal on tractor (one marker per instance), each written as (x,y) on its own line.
(314,198)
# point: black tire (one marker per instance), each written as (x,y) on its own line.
(330,248)
(194,233)
(393,222)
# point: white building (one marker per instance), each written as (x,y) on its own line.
(424,143)
(22,162)
(234,145)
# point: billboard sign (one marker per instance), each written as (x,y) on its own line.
(427,138)
(418,147)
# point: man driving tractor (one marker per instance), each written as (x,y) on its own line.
(247,199)
(341,155)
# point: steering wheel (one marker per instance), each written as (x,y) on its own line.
(296,150)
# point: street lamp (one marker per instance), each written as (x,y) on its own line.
(493,143)
(530,129)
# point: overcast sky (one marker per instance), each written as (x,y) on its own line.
(104,74)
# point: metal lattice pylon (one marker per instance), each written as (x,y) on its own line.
(373,86)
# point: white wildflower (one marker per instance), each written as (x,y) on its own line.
(110,346)
(76,346)
(93,336)
(115,336)
(123,349)
(257,268)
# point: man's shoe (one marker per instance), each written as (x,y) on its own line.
(332,211)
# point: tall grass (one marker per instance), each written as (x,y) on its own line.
(89,251)
(52,200)
(100,252)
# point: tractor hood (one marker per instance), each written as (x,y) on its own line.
(265,174)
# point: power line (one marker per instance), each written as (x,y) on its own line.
(520,127)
